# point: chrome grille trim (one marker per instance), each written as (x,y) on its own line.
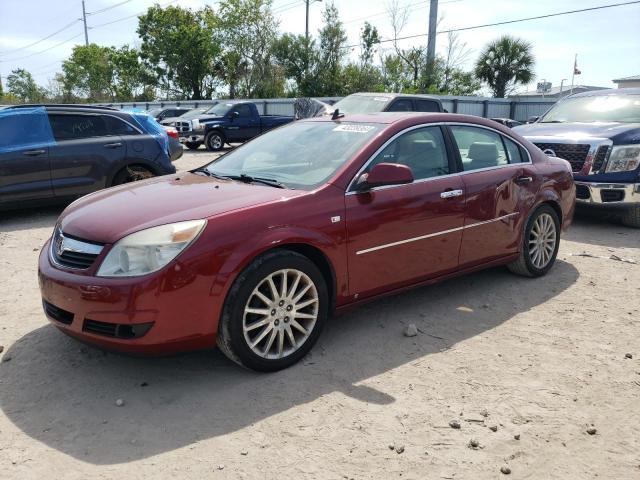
(81,254)
(593,142)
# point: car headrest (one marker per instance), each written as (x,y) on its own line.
(483,152)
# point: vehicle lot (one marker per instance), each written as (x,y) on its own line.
(543,359)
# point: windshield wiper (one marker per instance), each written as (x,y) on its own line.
(554,121)
(210,174)
(243,177)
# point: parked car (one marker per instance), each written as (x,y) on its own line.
(229,122)
(60,152)
(386,102)
(170,112)
(256,249)
(182,123)
(599,134)
(507,122)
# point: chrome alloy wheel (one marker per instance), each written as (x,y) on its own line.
(280,314)
(542,240)
(216,142)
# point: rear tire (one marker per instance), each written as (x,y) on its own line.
(214,141)
(274,312)
(631,217)
(540,244)
(192,145)
(131,173)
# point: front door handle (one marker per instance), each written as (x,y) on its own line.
(524,180)
(451,194)
(34,153)
(113,145)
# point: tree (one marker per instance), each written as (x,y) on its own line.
(22,86)
(504,63)
(88,73)
(180,47)
(332,51)
(132,80)
(248,31)
(298,56)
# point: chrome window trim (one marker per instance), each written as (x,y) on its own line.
(431,235)
(352,183)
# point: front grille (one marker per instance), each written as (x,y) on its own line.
(100,328)
(183,126)
(116,330)
(582,192)
(611,195)
(600,157)
(72,252)
(574,153)
(57,313)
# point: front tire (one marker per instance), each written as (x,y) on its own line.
(214,141)
(274,312)
(192,145)
(540,244)
(631,217)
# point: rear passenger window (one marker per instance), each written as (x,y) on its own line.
(115,126)
(422,150)
(71,127)
(427,106)
(479,148)
(514,151)
(402,105)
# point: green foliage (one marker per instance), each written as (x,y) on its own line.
(332,52)
(88,72)
(22,86)
(180,46)
(505,63)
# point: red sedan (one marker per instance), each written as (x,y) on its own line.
(256,249)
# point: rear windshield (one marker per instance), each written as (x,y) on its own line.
(600,108)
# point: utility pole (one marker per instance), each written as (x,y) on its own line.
(306,30)
(433,25)
(84,19)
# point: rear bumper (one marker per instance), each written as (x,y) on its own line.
(608,195)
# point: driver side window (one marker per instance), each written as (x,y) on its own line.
(422,150)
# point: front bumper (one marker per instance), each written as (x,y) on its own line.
(192,137)
(613,195)
(169,311)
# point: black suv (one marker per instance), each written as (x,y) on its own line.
(60,152)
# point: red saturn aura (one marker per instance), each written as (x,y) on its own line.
(253,251)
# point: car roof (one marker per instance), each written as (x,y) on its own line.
(70,106)
(610,91)
(389,118)
(392,95)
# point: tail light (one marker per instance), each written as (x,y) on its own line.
(172,132)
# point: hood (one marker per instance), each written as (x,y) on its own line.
(108,215)
(618,132)
(209,118)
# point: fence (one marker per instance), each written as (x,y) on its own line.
(486,107)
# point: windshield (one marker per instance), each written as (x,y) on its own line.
(299,155)
(155,112)
(220,109)
(194,113)
(602,108)
(361,104)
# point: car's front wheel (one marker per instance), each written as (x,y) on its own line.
(192,145)
(540,243)
(214,141)
(274,312)
(631,217)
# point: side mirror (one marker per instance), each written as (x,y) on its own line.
(233,115)
(385,174)
(533,119)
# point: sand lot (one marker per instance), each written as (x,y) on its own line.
(538,361)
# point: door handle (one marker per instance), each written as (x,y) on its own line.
(34,153)
(113,145)
(451,194)
(523,180)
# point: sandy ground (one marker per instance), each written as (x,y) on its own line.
(542,360)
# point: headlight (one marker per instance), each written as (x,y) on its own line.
(195,124)
(149,250)
(623,158)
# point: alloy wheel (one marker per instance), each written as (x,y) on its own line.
(280,314)
(542,240)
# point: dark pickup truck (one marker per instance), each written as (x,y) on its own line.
(599,134)
(229,122)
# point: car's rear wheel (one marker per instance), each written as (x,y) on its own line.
(214,141)
(132,173)
(274,312)
(631,218)
(192,145)
(540,243)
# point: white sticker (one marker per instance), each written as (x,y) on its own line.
(381,99)
(353,128)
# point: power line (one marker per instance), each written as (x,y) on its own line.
(69,25)
(506,22)
(106,9)
(43,51)
(132,16)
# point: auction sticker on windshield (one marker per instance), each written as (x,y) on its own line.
(353,128)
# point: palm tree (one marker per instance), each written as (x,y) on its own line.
(504,63)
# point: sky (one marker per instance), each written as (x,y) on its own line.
(606,41)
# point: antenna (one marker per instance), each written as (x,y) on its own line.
(336,114)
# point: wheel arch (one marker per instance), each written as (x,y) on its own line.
(132,163)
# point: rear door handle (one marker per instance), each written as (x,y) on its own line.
(451,193)
(113,145)
(34,153)
(523,180)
